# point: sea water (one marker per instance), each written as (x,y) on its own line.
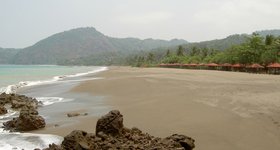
(15,77)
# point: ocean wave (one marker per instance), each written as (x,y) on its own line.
(8,116)
(13,88)
(27,141)
(89,72)
(51,100)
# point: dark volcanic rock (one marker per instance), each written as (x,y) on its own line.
(73,114)
(18,101)
(28,120)
(3,110)
(111,123)
(112,135)
(186,142)
(4,98)
(53,147)
(76,114)
(79,140)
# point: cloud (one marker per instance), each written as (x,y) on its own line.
(240,15)
(145,18)
(193,20)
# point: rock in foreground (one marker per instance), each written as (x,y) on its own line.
(28,120)
(18,101)
(111,134)
(111,123)
(3,110)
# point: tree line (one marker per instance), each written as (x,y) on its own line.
(256,49)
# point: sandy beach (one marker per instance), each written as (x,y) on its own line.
(220,110)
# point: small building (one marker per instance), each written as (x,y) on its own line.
(274,68)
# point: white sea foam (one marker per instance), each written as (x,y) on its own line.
(13,88)
(51,100)
(6,117)
(90,72)
(27,141)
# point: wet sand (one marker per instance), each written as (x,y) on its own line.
(220,110)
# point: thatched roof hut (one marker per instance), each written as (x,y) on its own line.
(274,68)
(212,65)
(274,65)
(176,65)
(255,66)
(226,65)
(238,66)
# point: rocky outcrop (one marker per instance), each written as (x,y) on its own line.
(3,110)
(28,119)
(111,134)
(79,140)
(76,114)
(18,101)
(111,123)
(73,114)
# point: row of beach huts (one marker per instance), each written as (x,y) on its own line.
(273,68)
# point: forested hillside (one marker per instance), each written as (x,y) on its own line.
(83,42)
(255,49)
(87,46)
(7,54)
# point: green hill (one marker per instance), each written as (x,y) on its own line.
(7,54)
(219,44)
(87,46)
(274,32)
(82,42)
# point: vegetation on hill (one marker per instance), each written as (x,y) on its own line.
(77,44)
(87,46)
(7,54)
(255,49)
(264,33)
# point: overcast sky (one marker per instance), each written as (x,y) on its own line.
(25,22)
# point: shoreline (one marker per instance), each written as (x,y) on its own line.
(220,110)
(18,86)
(232,110)
(51,92)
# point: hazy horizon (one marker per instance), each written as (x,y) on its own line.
(23,23)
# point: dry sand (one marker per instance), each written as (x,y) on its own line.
(220,110)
